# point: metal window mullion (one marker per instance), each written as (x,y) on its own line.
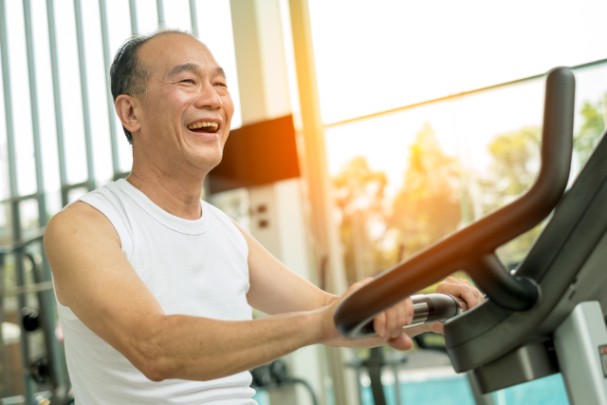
(8,104)
(58,372)
(105,39)
(133,12)
(454,96)
(84,94)
(52,36)
(160,11)
(12,174)
(194,18)
(33,88)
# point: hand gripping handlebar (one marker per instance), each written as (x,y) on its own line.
(427,308)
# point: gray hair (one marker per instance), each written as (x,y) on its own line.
(126,74)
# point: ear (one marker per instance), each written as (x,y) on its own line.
(126,108)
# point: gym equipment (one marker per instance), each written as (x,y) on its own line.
(428,308)
(276,375)
(45,374)
(544,317)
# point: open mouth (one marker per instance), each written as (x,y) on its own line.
(208,127)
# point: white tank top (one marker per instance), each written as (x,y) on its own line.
(194,268)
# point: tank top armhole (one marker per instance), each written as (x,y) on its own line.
(101,203)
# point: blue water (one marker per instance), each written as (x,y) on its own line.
(456,391)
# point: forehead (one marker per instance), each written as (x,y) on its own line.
(165,51)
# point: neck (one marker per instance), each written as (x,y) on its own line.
(177,196)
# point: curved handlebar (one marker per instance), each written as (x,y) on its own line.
(433,307)
(472,249)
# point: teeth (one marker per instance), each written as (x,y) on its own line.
(204,124)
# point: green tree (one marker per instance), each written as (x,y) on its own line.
(591,130)
(359,195)
(427,207)
(515,165)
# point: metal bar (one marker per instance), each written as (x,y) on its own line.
(56,359)
(12,170)
(19,198)
(20,245)
(581,347)
(6,89)
(35,288)
(24,343)
(315,166)
(69,187)
(33,88)
(105,40)
(52,36)
(120,175)
(84,95)
(160,11)
(456,95)
(8,105)
(133,13)
(194,18)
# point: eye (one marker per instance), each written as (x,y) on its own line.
(221,84)
(187,81)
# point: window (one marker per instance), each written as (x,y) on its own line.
(401,81)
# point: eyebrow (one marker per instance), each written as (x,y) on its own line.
(192,67)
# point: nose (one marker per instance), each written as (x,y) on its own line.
(209,97)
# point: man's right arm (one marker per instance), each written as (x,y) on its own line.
(93,277)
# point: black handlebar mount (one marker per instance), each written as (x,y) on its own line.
(472,249)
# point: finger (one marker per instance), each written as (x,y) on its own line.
(385,323)
(410,310)
(462,289)
(399,316)
(401,342)
(355,286)
(437,327)
(379,324)
(392,315)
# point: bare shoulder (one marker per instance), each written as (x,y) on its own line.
(76,221)
(77,238)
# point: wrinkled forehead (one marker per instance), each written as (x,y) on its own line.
(161,54)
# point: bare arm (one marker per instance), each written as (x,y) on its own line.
(93,277)
(275,289)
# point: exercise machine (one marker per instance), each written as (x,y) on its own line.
(44,373)
(547,315)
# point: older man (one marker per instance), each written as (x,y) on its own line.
(154,285)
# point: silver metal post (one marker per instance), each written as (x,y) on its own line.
(160,11)
(105,39)
(47,302)
(133,12)
(581,347)
(52,36)
(84,95)
(33,88)
(194,18)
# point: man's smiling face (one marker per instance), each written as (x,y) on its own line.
(185,111)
